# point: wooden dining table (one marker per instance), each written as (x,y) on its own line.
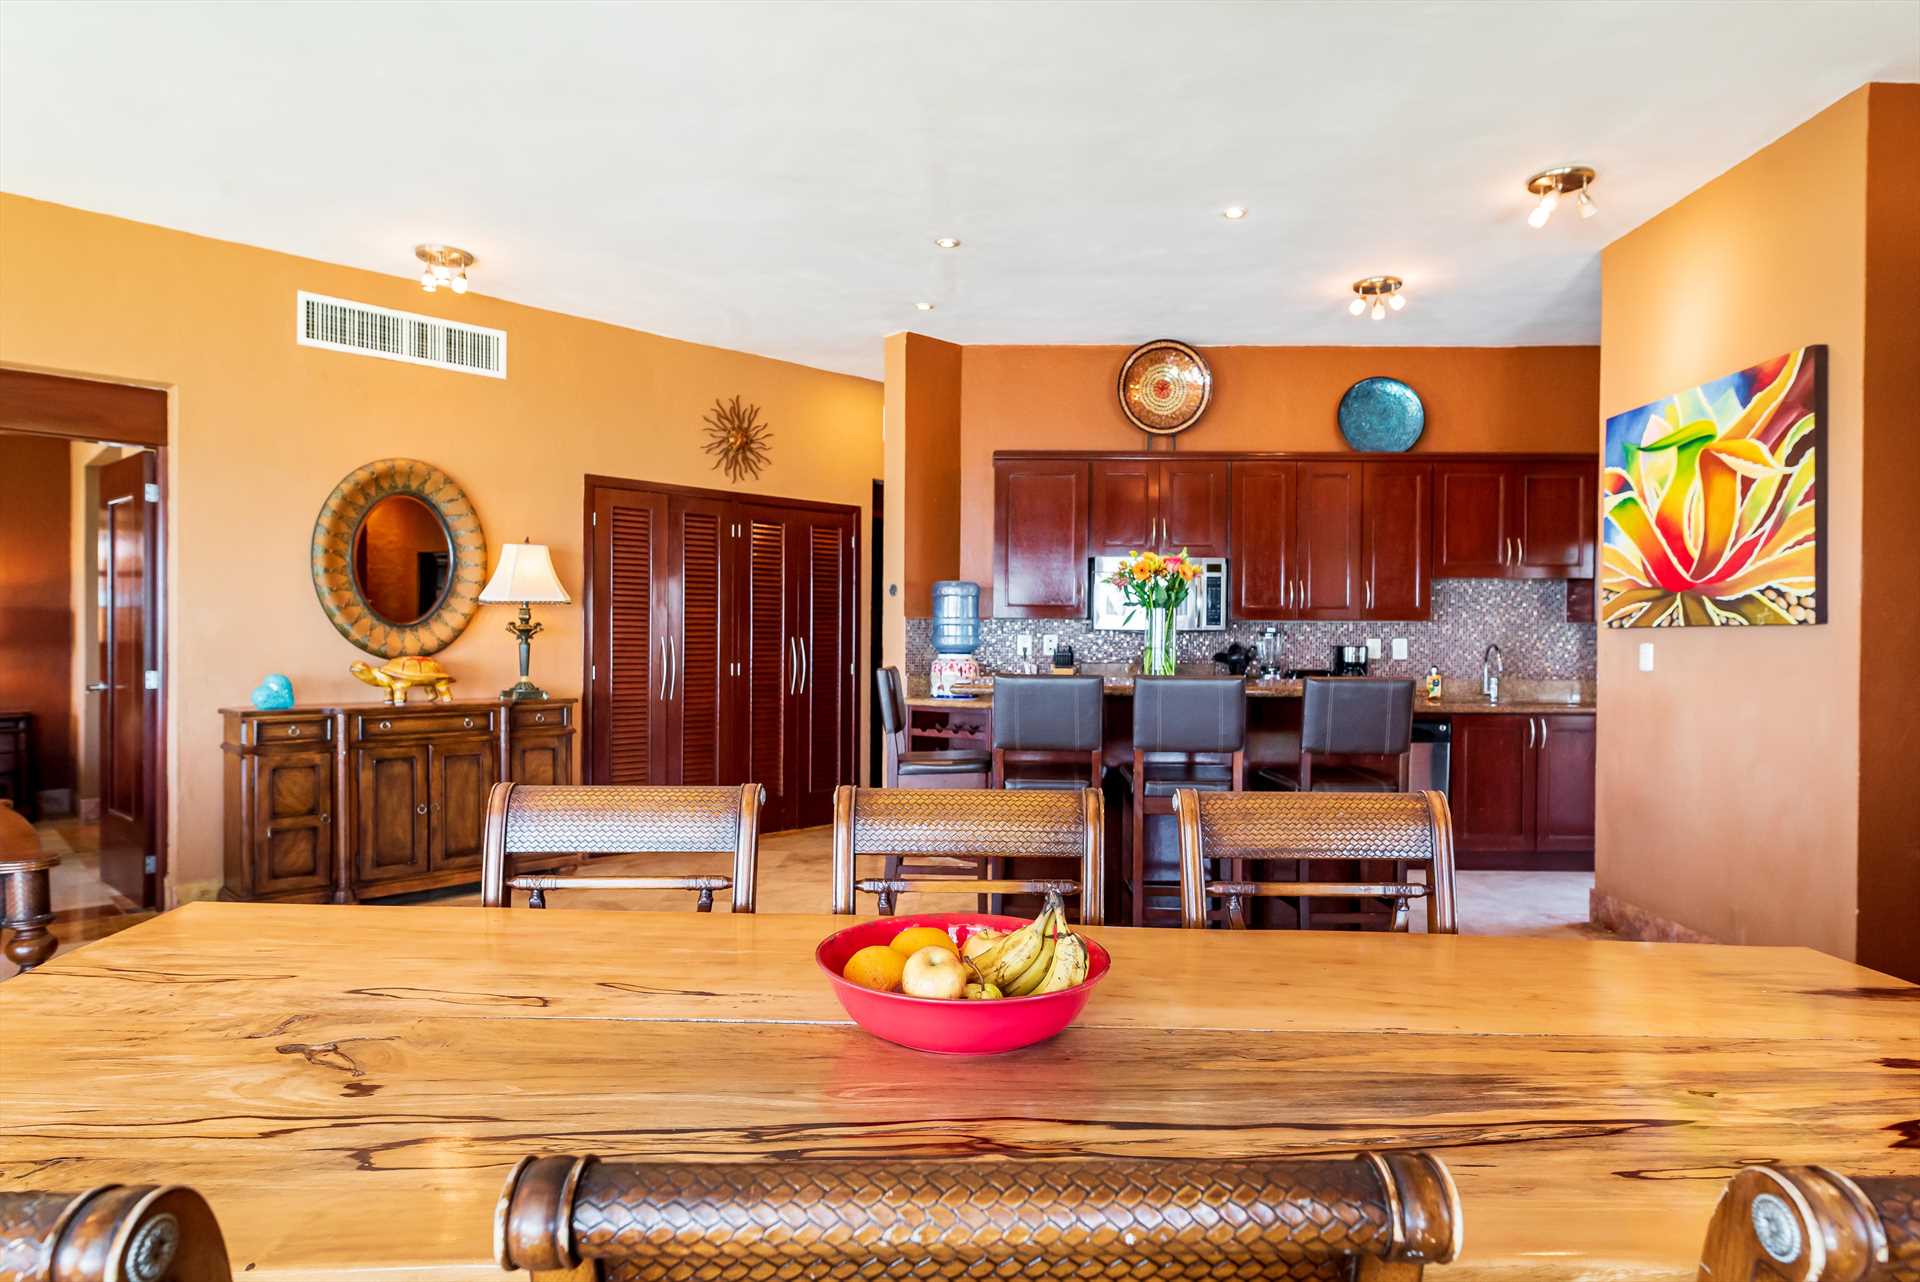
(349,1085)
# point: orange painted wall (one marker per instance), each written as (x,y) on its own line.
(1889,936)
(36,589)
(923,478)
(1729,775)
(263,429)
(1265,398)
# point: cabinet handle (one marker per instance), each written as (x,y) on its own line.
(673,667)
(1543,732)
(793,666)
(663,668)
(467,722)
(1369,594)
(539,718)
(1529,734)
(420,809)
(386,725)
(325,817)
(293,732)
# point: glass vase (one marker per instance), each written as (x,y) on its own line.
(1157,657)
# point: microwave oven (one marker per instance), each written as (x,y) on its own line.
(1204,610)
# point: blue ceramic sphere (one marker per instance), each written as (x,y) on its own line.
(1382,415)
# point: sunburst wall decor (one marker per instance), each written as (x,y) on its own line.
(737,437)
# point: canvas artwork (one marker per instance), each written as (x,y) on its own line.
(1712,502)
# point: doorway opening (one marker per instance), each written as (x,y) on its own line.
(82,640)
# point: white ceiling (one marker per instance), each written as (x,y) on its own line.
(770,177)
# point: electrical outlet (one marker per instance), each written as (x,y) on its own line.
(1399,647)
(1373,649)
(1646,656)
(1049,643)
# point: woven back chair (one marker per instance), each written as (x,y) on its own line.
(1810,1224)
(1376,1217)
(1393,829)
(613,819)
(969,825)
(124,1232)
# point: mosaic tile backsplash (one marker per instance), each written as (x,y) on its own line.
(1527,618)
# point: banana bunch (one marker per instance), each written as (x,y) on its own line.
(1043,956)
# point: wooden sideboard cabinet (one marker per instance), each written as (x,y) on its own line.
(365,800)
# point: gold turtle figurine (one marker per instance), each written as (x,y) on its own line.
(397,676)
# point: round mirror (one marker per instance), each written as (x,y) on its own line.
(401,556)
(398,558)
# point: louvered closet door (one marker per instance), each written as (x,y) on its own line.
(767,653)
(700,742)
(823,715)
(629,646)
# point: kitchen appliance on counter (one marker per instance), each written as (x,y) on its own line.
(956,635)
(1430,760)
(1204,610)
(1350,661)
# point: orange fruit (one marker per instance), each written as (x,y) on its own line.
(877,967)
(914,938)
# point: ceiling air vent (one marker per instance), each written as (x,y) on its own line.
(392,335)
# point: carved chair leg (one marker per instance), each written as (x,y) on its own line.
(706,900)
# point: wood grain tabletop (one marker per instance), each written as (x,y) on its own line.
(348,1086)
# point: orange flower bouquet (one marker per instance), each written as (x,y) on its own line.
(1156,583)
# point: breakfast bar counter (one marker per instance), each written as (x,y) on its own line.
(349,1085)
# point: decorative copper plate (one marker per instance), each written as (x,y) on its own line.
(332,554)
(1164,387)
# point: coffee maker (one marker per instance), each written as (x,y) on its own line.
(1349,661)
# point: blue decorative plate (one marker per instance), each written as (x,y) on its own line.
(1382,415)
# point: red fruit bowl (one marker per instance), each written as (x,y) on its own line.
(952,1027)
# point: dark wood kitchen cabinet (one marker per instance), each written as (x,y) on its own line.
(1529,519)
(1327,530)
(366,800)
(1163,505)
(722,644)
(1260,576)
(1396,563)
(1522,785)
(1040,538)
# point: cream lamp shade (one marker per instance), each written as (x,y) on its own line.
(525,574)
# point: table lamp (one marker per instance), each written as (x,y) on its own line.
(525,574)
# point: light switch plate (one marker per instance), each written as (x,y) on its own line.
(1023,645)
(1646,656)
(1399,647)
(1373,649)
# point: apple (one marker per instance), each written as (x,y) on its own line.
(933,972)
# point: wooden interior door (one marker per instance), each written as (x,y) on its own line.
(701,747)
(824,712)
(628,642)
(1491,787)
(129,703)
(1397,576)
(1040,519)
(1472,522)
(1327,539)
(1555,520)
(1260,578)
(1193,507)
(1123,506)
(769,655)
(460,772)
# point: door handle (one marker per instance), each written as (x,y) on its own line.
(663,668)
(1529,734)
(98,687)
(673,668)
(1543,732)
(807,681)
(793,666)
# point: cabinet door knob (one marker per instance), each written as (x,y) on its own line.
(539,718)
(293,732)
(467,722)
(386,725)
(420,809)
(325,818)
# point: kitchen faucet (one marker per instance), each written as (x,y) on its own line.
(1490,669)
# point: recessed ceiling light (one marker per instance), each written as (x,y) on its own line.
(1234,213)
(925,307)
(947,242)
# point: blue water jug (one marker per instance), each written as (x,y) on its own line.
(956,616)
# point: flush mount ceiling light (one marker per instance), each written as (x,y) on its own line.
(947,242)
(1551,184)
(1234,213)
(1375,294)
(445,265)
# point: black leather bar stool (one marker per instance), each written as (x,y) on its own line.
(1196,728)
(1051,726)
(961,768)
(1350,717)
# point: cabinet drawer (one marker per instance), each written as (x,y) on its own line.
(372,725)
(543,716)
(301,730)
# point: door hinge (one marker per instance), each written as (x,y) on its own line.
(153,678)
(151,865)
(152,492)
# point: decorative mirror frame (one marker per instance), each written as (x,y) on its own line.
(332,552)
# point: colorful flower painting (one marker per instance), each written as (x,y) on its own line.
(1712,502)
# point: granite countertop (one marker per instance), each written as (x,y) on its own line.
(1527,698)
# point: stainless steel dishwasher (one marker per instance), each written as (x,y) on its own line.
(1430,755)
